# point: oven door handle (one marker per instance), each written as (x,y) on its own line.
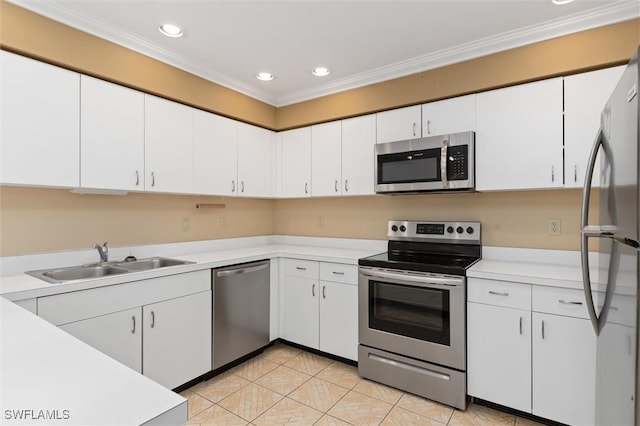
(423,281)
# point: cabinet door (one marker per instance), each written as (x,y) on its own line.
(177,339)
(398,124)
(585,96)
(301,319)
(339,319)
(358,142)
(118,335)
(295,163)
(326,159)
(40,128)
(564,369)
(255,161)
(111,135)
(168,146)
(499,355)
(215,154)
(449,116)
(519,137)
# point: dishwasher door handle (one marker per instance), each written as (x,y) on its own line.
(250,269)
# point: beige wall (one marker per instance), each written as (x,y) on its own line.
(35,220)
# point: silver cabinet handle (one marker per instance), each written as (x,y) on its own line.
(233,186)
(346,185)
(336,185)
(242,186)
(553,174)
(428,127)
(497,293)
(414,128)
(521,326)
(542,329)
(569,302)
(133,324)
(575,173)
(153,319)
(306,188)
(153,179)
(137,178)
(337,273)
(300,268)
(313,290)
(324,292)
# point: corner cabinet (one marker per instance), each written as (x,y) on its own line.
(519,137)
(295,163)
(160,327)
(39,123)
(320,306)
(256,161)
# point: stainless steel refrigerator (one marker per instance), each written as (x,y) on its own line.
(611,229)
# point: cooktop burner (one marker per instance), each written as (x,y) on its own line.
(438,247)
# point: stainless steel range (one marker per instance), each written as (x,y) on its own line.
(412,309)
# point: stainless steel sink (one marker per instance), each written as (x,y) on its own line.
(98,270)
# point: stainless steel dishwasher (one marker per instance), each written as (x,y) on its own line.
(241,300)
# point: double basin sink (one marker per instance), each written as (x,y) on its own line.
(103,269)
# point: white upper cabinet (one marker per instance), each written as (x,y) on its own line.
(111,136)
(519,137)
(358,142)
(40,123)
(255,161)
(215,154)
(585,96)
(168,146)
(449,116)
(398,124)
(326,159)
(295,166)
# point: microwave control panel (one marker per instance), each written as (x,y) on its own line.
(457,164)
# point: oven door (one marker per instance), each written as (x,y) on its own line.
(418,315)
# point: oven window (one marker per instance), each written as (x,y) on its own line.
(417,312)
(420,166)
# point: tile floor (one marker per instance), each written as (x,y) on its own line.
(285,385)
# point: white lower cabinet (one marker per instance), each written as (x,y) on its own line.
(320,306)
(160,327)
(531,348)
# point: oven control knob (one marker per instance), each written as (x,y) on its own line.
(459,229)
(394,228)
(450,229)
(469,230)
(403,228)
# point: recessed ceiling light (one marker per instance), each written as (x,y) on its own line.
(170,30)
(264,76)
(561,2)
(321,71)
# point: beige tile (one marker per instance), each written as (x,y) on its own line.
(280,353)
(195,402)
(526,422)
(478,415)
(250,401)
(401,417)
(319,394)
(216,415)
(360,409)
(327,420)
(308,363)
(254,368)
(220,387)
(341,374)
(425,407)
(283,379)
(379,391)
(288,412)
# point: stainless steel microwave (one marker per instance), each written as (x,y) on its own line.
(435,163)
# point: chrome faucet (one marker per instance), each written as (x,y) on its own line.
(103,250)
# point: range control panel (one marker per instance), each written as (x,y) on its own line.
(415,230)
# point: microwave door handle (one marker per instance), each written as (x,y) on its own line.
(443,163)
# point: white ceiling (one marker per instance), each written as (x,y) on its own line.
(363,42)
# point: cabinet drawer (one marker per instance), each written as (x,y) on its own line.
(301,268)
(339,272)
(499,293)
(560,301)
(68,307)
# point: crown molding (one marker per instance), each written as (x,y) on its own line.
(619,11)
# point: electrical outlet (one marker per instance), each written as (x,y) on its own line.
(555,227)
(223,222)
(320,222)
(184,224)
